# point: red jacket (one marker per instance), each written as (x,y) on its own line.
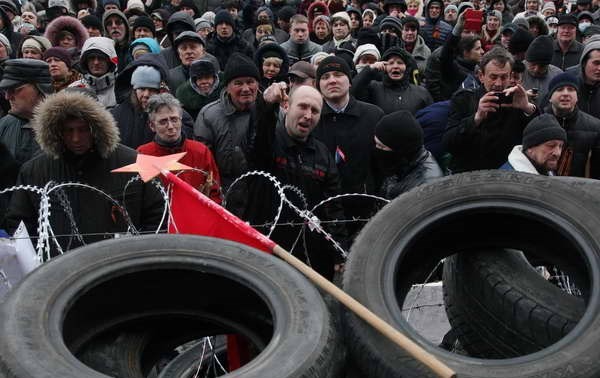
(198,156)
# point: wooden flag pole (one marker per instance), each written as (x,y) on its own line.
(361,311)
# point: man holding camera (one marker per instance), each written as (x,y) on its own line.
(485,123)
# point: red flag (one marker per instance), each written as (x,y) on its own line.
(194,213)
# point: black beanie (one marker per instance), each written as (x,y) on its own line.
(519,42)
(562,80)
(223,16)
(540,50)
(91,21)
(542,129)
(401,132)
(239,65)
(144,21)
(333,63)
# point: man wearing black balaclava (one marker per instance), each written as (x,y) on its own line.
(401,160)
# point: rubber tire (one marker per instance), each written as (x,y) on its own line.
(131,350)
(470,212)
(495,301)
(185,365)
(499,306)
(71,293)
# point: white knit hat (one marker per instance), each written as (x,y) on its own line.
(344,16)
(367,48)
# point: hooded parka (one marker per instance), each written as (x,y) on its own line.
(91,212)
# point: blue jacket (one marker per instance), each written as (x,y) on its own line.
(433,120)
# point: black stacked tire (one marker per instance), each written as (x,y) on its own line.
(67,303)
(472,212)
(499,306)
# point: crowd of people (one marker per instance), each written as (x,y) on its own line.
(330,97)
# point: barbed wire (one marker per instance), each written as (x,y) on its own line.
(46,235)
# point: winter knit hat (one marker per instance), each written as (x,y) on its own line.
(59,53)
(520,41)
(450,7)
(37,42)
(391,22)
(364,50)
(333,64)
(540,50)
(542,129)
(341,16)
(401,132)
(223,16)
(549,5)
(496,14)
(322,18)
(144,21)
(202,23)
(145,77)
(239,65)
(562,80)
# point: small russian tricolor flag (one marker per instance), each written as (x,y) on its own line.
(340,157)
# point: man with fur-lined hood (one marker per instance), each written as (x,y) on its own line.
(80,143)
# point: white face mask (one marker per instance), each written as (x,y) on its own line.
(360,67)
(583,25)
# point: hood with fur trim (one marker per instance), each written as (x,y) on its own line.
(69,23)
(51,114)
(116,12)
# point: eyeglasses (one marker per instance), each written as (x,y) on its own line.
(165,121)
